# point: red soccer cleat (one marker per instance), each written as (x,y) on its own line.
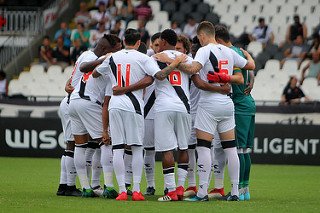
(137,196)
(171,196)
(216,193)
(123,196)
(190,191)
(180,192)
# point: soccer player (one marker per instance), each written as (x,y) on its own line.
(128,66)
(85,107)
(215,111)
(244,115)
(154,46)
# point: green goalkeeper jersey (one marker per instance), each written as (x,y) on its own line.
(244,104)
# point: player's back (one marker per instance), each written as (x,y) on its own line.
(173,93)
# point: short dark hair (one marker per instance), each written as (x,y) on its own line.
(155,36)
(195,40)
(46,37)
(169,36)
(3,74)
(142,48)
(206,27)
(131,36)
(112,39)
(185,42)
(222,32)
(261,19)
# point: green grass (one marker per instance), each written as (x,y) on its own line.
(30,184)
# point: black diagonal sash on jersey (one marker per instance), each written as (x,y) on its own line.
(178,90)
(214,62)
(133,98)
(149,103)
(81,90)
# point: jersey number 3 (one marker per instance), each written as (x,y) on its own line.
(119,75)
(175,78)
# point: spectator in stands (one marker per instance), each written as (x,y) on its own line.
(101,16)
(262,33)
(83,16)
(126,11)
(46,53)
(83,34)
(292,93)
(154,45)
(296,29)
(190,29)
(65,32)
(314,68)
(101,1)
(297,51)
(143,11)
(175,27)
(183,45)
(145,37)
(112,8)
(117,29)
(3,85)
(61,54)
(76,51)
(95,35)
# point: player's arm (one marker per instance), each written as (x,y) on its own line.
(250,62)
(91,65)
(215,77)
(68,88)
(250,83)
(105,120)
(201,84)
(162,74)
(143,83)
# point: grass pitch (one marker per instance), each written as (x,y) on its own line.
(30,184)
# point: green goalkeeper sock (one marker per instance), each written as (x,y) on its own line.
(242,170)
(247,169)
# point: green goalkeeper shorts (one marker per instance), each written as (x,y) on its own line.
(244,130)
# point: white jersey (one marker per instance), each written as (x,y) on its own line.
(225,59)
(149,100)
(79,78)
(173,93)
(128,67)
(194,98)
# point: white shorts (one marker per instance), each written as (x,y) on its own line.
(148,141)
(86,117)
(172,130)
(126,127)
(65,120)
(193,135)
(210,122)
(216,142)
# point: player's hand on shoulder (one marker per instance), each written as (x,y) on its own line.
(163,57)
(119,90)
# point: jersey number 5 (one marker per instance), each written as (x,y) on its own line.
(119,75)
(222,66)
(175,78)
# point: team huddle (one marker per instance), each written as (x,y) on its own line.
(125,105)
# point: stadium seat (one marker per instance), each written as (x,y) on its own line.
(133,24)
(162,17)
(237,29)
(221,8)
(272,66)
(9,112)
(211,2)
(36,69)
(165,25)
(37,113)
(290,67)
(227,19)
(310,88)
(155,6)
(287,9)
(15,87)
(255,48)
(178,17)
(303,64)
(203,8)
(213,18)
(152,27)
(25,77)
(170,7)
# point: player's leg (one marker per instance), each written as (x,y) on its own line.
(128,167)
(71,170)
(165,142)
(96,171)
(63,176)
(149,156)
(134,126)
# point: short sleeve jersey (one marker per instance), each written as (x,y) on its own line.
(173,93)
(225,60)
(126,68)
(149,100)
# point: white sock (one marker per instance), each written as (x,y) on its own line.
(137,166)
(192,167)
(119,168)
(96,168)
(233,168)
(169,179)
(149,166)
(219,162)
(128,166)
(204,168)
(106,161)
(71,171)
(80,163)
(182,173)
(89,154)
(63,170)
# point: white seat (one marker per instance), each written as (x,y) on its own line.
(152,27)
(9,112)
(165,26)
(212,2)
(272,66)
(237,29)
(296,2)
(133,24)
(290,67)
(25,77)
(227,19)
(55,69)
(155,6)
(304,9)
(15,87)
(36,69)
(303,64)
(269,9)
(311,89)
(37,113)
(221,8)
(255,48)
(161,17)
(287,9)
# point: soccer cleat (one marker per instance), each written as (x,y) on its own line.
(165,191)
(137,196)
(110,193)
(73,191)
(98,191)
(62,189)
(216,193)
(190,191)
(170,196)
(195,198)
(123,196)
(246,196)
(180,191)
(87,193)
(150,191)
(128,188)
(233,198)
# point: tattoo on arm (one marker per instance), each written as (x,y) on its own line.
(190,68)
(161,75)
